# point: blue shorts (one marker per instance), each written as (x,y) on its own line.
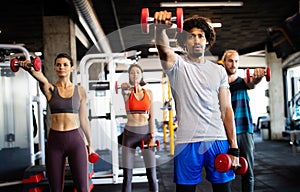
(190,158)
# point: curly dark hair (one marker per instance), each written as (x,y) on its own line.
(198,22)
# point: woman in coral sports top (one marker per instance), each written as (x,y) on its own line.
(139,126)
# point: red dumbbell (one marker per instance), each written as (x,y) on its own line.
(223,163)
(134,86)
(145,146)
(267,74)
(145,19)
(36,64)
(93,157)
(117,87)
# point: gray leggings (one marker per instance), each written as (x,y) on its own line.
(132,138)
(246,146)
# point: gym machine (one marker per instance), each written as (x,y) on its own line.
(102,101)
(20,95)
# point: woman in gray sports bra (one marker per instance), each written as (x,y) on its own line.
(69,125)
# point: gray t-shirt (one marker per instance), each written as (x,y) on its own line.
(195,88)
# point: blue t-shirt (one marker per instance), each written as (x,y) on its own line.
(241,108)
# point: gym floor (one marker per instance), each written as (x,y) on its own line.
(277,169)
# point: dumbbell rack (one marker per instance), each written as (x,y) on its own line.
(17,91)
(105,134)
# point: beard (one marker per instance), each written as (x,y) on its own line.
(196,54)
(230,72)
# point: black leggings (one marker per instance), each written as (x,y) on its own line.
(62,144)
(223,187)
(131,140)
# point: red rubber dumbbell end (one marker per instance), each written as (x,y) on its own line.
(157,144)
(144,20)
(142,145)
(268,74)
(248,75)
(37,64)
(116,87)
(243,166)
(135,86)
(13,67)
(179,19)
(223,162)
(93,157)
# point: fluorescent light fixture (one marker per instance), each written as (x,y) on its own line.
(38,54)
(154,49)
(202,4)
(215,25)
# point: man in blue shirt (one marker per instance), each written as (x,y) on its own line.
(242,112)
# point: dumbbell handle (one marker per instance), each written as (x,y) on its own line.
(151,19)
(128,88)
(146,146)
(119,87)
(16,64)
(265,73)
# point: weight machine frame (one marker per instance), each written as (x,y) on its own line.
(109,58)
(40,154)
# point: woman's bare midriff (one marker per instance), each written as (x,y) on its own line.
(137,119)
(64,121)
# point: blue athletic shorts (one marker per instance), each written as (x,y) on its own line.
(190,158)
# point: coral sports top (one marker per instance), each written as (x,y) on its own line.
(134,105)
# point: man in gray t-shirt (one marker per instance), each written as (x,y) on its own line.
(200,89)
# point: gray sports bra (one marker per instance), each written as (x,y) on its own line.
(59,104)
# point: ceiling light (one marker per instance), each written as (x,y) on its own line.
(154,49)
(202,4)
(215,25)
(38,53)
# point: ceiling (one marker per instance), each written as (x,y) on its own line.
(243,28)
